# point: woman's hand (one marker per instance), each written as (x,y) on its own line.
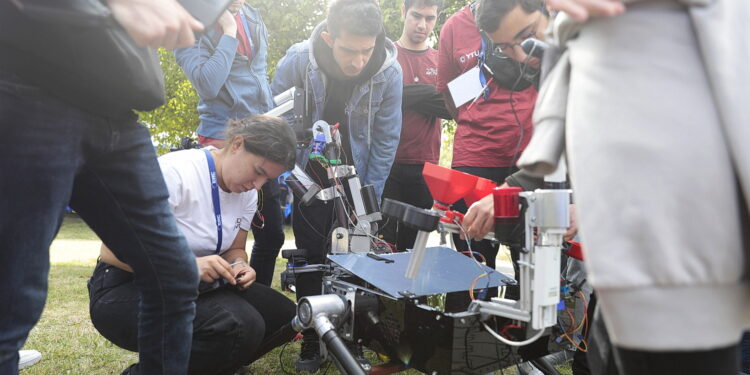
(243,274)
(228,24)
(214,267)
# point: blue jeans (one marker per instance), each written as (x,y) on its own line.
(52,153)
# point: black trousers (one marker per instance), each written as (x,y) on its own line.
(231,328)
(723,361)
(603,358)
(405,184)
(312,227)
(268,233)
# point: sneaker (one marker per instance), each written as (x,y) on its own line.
(309,356)
(27,358)
(526,368)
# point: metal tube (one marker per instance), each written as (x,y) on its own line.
(412,270)
(337,348)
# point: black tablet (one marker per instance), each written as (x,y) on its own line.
(206,11)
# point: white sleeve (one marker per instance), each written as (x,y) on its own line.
(251,205)
(174,182)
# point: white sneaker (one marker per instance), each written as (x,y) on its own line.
(27,358)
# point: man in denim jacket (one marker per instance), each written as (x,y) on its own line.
(349,70)
(227,67)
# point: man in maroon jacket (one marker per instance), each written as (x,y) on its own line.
(493,129)
(422,109)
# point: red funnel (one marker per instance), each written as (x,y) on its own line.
(482,189)
(447,185)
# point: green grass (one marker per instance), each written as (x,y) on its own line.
(70,344)
(74,228)
(65,336)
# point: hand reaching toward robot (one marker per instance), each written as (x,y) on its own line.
(480,219)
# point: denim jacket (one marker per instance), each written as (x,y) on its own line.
(229,85)
(374,110)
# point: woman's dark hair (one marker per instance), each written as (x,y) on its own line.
(356,17)
(266,136)
(491,12)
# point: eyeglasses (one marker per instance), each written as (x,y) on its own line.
(503,47)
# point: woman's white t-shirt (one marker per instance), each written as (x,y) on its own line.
(189,185)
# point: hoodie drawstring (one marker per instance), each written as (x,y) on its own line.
(369,115)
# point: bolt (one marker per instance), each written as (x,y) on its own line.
(339,236)
(437,317)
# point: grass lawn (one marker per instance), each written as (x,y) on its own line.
(70,344)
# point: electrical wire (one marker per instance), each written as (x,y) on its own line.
(281,361)
(309,224)
(509,326)
(473,283)
(468,243)
(515,115)
(583,347)
(513,343)
(475,253)
(580,325)
(585,314)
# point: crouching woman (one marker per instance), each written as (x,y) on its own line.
(213,193)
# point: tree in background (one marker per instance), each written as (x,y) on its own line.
(288,22)
(178,117)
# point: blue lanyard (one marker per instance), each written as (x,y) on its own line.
(215,196)
(482,77)
(247,33)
